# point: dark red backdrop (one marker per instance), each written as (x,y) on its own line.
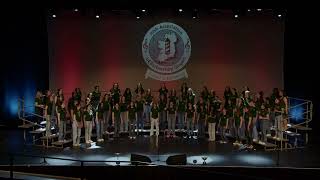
(85,51)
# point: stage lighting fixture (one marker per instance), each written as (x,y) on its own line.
(138,17)
(143,10)
(204,158)
(180,10)
(97,16)
(53,15)
(249,10)
(279,15)
(259,9)
(236,16)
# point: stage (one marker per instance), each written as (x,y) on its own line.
(120,150)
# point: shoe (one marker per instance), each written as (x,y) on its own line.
(87,142)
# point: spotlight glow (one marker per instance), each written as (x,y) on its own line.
(211,159)
(236,16)
(180,10)
(254,159)
(53,15)
(97,16)
(143,10)
(76,10)
(279,15)
(119,158)
(259,9)
(138,17)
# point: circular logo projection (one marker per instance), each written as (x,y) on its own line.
(166,49)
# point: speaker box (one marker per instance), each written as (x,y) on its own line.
(180,159)
(137,159)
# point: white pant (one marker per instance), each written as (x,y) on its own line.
(88,130)
(76,133)
(154,122)
(212,131)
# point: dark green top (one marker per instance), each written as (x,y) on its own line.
(162,105)
(49,105)
(223,120)
(77,114)
(77,96)
(204,95)
(87,116)
(211,118)
(116,114)
(63,113)
(229,109)
(132,113)
(155,112)
(190,99)
(202,114)
(139,105)
(95,97)
(123,107)
(272,101)
(173,99)
(171,110)
(148,99)
(127,97)
(190,113)
(182,106)
(253,111)
(100,111)
(237,115)
(216,105)
(38,110)
(263,112)
(199,106)
(106,106)
(115,95)
(163,92)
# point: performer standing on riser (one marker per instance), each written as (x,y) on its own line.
(62,119)
(190,119)
(147,105)
(155,113)
(181,111)
(132,116)
(116,118)
(77,123)
(100,122)
(171,114)
(123,114)
(139,105)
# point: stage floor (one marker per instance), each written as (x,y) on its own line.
(217,154)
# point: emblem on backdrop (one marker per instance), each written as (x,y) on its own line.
(166,49)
